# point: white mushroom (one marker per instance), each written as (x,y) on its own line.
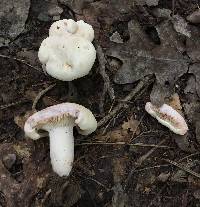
(85,30)
(59,121)
(63,27)
(168,117)
(67,58)
(68,27)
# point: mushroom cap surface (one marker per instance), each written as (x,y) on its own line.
(61,115)
(67,59)
(85,30)
(63,27)
(67,27)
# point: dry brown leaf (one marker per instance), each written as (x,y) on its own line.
(117,135)
(22,151)
(175,102)
(132,125)
(21,119)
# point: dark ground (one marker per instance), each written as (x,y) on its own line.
(123,173)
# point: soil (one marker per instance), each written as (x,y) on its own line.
(136,168)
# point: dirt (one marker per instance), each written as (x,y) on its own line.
(127,161)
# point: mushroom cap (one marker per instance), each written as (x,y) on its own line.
(168,117)
(63,27)
(67,59)
(67,27)
(61,115)
(85,30)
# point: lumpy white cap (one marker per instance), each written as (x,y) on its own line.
(68,27)
(67,59)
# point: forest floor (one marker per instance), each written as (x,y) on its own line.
(147,50)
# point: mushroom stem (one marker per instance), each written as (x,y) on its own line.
(62,149)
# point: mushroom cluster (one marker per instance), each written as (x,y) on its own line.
(67,54)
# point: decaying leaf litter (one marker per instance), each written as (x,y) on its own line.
(147,50)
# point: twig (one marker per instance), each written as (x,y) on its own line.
(146,82)
(166,165)
(173,7)
(47,193)
(102,70)
(191,155)
(136,128)
(183,168)
(21,61)
(123,143)
(141,160)
(12,104)
(152,167)
(40,94)
(144,157)
(96,181)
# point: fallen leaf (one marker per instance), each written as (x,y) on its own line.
(132,125)
(192,111)
(192,43)
(22,151)
(13,17)
(163,177)
(21,119)
(141,57)
(175,102)
(117,135)
(181,26)
(194,69)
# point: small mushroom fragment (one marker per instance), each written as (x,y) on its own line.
(168,117)
(67,59)
(67,27)
(59,121)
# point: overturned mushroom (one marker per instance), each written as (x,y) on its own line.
(67,27)
(168,117)
(67,58)
(59,121)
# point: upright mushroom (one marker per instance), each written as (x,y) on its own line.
(59,121)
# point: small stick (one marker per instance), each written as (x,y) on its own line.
(41,93)
(146,82)
(107,84)
(144,157)
(13,104)
(173,7)
(191,155)
(96,181)
(165,165)
(183,168)
(124,143)
(21,61)
(152,167)
(141,160)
